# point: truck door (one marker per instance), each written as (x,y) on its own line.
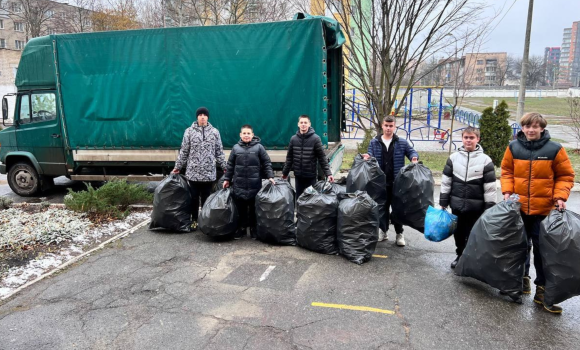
(39,131)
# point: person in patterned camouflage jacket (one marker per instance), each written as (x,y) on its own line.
(201,148)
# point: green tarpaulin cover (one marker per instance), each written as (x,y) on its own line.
(141,88)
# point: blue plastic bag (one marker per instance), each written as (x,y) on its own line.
(439,224)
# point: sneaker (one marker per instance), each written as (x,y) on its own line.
(240,233)
(454,263)
(555,309)
(539,297)
(381,235)
(527,285)
(400,240)
(194,226)
(253,232)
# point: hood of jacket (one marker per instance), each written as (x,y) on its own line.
(306,135)
(255,140)
(476,152)
(533,145)
(196,126)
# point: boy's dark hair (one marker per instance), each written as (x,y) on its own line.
(389,119)
(247,126)
(304,116)
(471,130)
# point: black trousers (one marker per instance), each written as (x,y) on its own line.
(465,222)
(398,226)
(532,227)
(199,189)
(246,212)
(303,183)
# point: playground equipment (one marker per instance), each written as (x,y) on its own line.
(422,114)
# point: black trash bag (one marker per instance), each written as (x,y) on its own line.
(497,248)
(560,250)
(275,213)
(172,205)
(358,224)
(412,195)
(366,175)
(329,187)
(219,215)
(316,221)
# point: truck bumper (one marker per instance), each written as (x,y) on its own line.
(2,168)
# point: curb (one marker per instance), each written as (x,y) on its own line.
(77,258)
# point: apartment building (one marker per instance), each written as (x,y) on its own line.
(474,69)
(551,64)
(15,30)
(569,70)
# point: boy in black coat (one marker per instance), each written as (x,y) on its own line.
(304,151)
(247,161)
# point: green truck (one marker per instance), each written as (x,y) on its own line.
(97,106)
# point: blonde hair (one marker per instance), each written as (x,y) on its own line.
(532,117)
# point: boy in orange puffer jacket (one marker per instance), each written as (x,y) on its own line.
(540,172)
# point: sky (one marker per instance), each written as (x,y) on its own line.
(549,20)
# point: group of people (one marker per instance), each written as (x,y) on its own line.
(533,167)
(247,164)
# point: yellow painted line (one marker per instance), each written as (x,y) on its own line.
(355,308)
(380,256)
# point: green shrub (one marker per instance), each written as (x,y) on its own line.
(363,146)
(496,132)
(112,199)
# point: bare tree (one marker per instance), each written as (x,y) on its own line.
(115,15)
(74,17)
(34,14)
(536,71)
(152,13)
(389,40)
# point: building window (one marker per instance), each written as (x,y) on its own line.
(2,43)
(87,21)
(63,15)
(49,13)
(16,7)
(479,61)
(18,44)
(479,70)
(51,31)
(19,26)
(1,24)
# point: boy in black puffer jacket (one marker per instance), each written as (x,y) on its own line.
(247,161)
(304,151)
(467,186)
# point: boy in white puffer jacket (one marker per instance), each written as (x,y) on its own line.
(467,186)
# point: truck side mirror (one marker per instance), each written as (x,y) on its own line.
(4,108)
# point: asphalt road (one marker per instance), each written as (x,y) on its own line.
(155,290)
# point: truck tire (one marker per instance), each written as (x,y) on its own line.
(23,179)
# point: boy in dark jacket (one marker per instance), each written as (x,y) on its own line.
(467,186)
(390,152)
(304,150)
(247,161)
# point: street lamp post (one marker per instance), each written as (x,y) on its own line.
(455,97)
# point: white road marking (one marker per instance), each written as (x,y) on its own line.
(267,272)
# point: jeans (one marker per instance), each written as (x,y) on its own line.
(532,228)
(303,183)
(398,227)
(465,222)
(198,189)
(246,211)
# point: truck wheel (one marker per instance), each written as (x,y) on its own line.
(23,179)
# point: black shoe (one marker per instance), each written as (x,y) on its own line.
(527,286)
(253,232)
(240,233)
(454,263)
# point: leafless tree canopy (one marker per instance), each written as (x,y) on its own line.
(215,12)
(389,41)
(536,75)
(32,13)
